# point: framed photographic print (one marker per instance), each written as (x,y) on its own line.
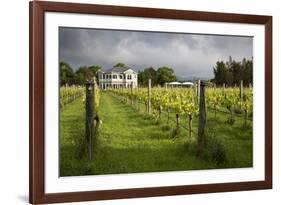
(139,102)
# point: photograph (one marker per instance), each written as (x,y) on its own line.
(147,101)
(133,102)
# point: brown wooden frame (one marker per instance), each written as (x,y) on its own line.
(36,100)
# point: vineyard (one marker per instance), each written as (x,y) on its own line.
(69,94)
(155,129)
(183,102)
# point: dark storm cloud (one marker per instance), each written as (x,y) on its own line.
(189,55)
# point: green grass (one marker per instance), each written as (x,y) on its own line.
(129,141)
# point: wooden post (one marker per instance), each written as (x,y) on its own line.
(149,97)
(89,132)
(94,94)
(223,89)
(202,120)
(178,122)
(195,93)
(241,89)
(166,85)
(132,93)
(190,125)
(198,91)
(241,93)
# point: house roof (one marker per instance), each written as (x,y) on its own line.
(116,70)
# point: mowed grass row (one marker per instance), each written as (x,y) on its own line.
(234,139)
(131,142)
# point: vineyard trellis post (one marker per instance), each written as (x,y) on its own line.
(241,93)
(149,97)
(223,90)
(177,122)
(198,91)
(190,126)
(195,93)
(89,131)
(202,120)
(132,93)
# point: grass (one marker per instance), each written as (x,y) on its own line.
(129,141)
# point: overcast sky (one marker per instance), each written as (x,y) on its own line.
(189,55)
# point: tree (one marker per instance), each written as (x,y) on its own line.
(94,69)
(165,74)
(66,74)
(220,73)
(229,78)
(247,66)
(80,75)
(141,78)
(147,73)
(120,65)
(85,73)
(237,72)
(232,72)
(158,77)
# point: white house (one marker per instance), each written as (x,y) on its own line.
(118,77)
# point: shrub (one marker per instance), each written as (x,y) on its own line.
(230,121)
(176,132)
(166,128)
(214,151)
(237,110)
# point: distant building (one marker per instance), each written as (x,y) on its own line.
(118,77)
(178,84)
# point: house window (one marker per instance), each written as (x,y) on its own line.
(129,77)
(121,76)
(114,76)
